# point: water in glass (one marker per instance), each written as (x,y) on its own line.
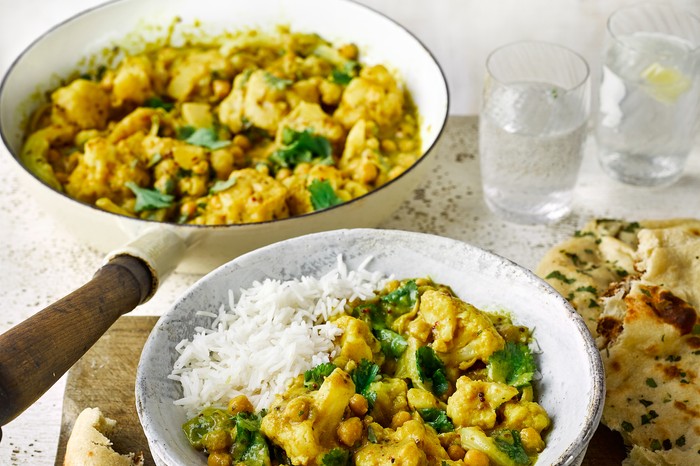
(648,108)
(531,142)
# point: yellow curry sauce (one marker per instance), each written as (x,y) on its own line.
(249,128)
(420,377)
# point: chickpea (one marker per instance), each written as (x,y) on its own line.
(349,51)
(476,458)
(532,441)
(358,404)
(455,452)
(388,145)
(350,431)
(219,458)
(242,141)
(222,162)
(220,88)
(407,145)
(216,440)
(297,410)
(240,404)
(372,143)
(400,418)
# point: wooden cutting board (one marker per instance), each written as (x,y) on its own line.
(105,378)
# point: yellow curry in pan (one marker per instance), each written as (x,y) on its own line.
(420,377)
(248,128)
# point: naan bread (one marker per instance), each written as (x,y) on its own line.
(647,328)
(88,444)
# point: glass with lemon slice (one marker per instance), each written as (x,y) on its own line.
(649,94)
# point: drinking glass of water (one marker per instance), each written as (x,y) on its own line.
(649,94)
(532,128)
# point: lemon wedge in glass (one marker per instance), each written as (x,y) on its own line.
(665,84)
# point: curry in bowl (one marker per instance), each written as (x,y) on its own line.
(248,127)
(405,372)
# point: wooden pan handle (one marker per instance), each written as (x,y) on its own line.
(38,351)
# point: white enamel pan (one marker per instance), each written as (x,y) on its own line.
(141,253)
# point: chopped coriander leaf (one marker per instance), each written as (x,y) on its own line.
(402,299)
(322,195)
(589,289)
(335,457)
(575,259)
(184,132)
(203,137)
(157,102)
(371,435)
(301,147)
(626,426)
(277,83)
(646,403)
(222,185)
(651,382)
(346,73)
(313,378)
(340,77)
(155,159)
(509,442)
(579,233)
(431,369)
(149,199)
(593,303)
(631,227)
(437,419)
(363,375)
(393,344)
(647,418)
(513,365)
(560,276)
(680,441)
(655,445)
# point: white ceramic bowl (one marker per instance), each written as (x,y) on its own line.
(572,385)
(132,23)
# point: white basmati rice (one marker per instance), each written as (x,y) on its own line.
(276,331)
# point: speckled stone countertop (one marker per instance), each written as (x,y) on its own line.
(40,262)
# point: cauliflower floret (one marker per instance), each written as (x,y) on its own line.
(410,444)
(139,121)
(374,95)
(264,104)
(305,426)
(132,81)
(254,197)
(82,103)
(474,403)
(524,414)
(359,160)
(298,195)
(309,116)
(458,331)
(192,73)
(356,343)
(103,170)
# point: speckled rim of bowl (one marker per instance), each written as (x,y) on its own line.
(384,243)
(425,153)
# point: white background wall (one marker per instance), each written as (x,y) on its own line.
(460,33)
